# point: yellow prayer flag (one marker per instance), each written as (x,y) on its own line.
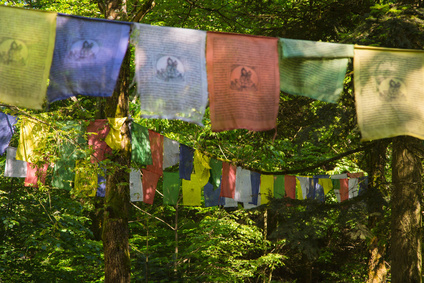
(86,178)
(31,138)
(192,190)
(114,138)
(299,194)
(266,188)
(326,183)
(27,39)
(201,167)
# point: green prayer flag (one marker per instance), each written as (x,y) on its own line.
(140,145)
(216,173)
(171,187)
(279,190)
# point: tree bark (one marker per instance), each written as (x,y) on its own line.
(406,211)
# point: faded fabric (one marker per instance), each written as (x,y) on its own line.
(7,129)
(171,152)
(136,185)
(243,186)
(14,168)
(170,72)
(114,137)
(87,57)
(171,187)
(97,132)
(353,187)
(228,182)
(26,52)
(243,81)
(140,145)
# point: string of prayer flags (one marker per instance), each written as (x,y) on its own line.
(87,57)
(26,52)
(228,181)
(140,145)
(388,92)
(171,152)
(279,190)
(171,187)
(170,72)
(243,191)
(243,81)
(216,172)
(68,152)
(136,185)
(186,162)
(156,146)
(149,182)
(114,138)
(31,139)
(97,132)
(85,178)
(7,129)
(267,188)
(255,179)
(14,168)
(313,69)
(35,174)
(211,195)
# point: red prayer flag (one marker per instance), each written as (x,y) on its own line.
(290,186)
(149,181)
(228,183)
(33,173)
(97,141)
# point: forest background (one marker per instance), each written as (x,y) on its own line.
(52,235)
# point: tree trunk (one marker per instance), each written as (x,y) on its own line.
(406,211)
(117,200)
(376,164)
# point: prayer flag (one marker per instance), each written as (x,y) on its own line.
(228,182)
(140,145)
(243,186)
(87,57)
(85,178)
(267,188)
(26,51)
(211,195)
(171,187)
(279,190)
(31,140)
(149,182)
(243,81)
(229,202)
(201,167)
(353,184)
(7,129)
(101,185)
(313,69)
(170,72)
(363,184)
(186,162)
(192,190)
(255,179)
(34,174)
(344,189)
(14,168)
(136,185)
(97,132)
(156,146)
(171,152)
(216,172)
(388,92)
(290,186)
(115,137)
